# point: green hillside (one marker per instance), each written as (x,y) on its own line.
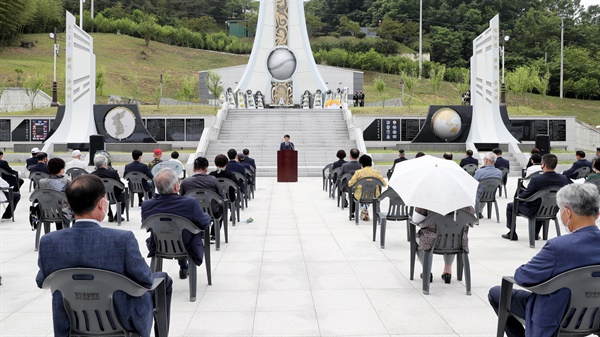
(133,70)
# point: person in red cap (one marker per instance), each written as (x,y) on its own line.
(157,158)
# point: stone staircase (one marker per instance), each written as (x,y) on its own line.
(317,136)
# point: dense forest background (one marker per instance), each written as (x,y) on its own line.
(449,26)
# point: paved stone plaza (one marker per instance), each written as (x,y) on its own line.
(300,269)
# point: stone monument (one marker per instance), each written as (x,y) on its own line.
(281,63)
(80,89)
(487,125)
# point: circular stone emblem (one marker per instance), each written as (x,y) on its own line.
(119,122)
(446,124)
(281,64)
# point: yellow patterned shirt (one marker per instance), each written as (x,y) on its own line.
(365,173)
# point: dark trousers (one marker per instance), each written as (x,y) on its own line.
(522,209)
(518,305)
(9,211)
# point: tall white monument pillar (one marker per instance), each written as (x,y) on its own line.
(80,88)
(281,64)
(487,125)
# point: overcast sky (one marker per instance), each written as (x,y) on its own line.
(590,2)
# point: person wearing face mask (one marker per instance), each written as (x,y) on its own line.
(88,244)
(579,206)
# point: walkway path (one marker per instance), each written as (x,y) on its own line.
(300,269)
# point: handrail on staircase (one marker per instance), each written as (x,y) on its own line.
(207,135)
(354,133)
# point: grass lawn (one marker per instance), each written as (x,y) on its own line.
(133,69)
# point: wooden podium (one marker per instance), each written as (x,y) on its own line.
(287,166)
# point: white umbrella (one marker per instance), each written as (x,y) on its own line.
(438,185)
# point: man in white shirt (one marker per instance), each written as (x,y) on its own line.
(76,162)
(175,158)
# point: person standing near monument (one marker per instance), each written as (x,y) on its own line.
(361,98)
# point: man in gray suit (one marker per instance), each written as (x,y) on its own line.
(350,167)
(89,245)
(488,170)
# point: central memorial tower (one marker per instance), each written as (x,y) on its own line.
(281,64)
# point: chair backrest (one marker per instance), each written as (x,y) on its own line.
(450,230)
(505,172)
(595,182)
(173,165)
(342,181)
(488,189)
(470,168)
(250,173)
(50,204)
(397,209)
(4,172)
(88,299)
(548,207)
(227,184)
(136,181)
(536,173)
(582,172)
(370,187)
(206,199)
(166,233)
(326,170)
(75,172)
(334,174)
(241,177)
(582,316)
(36,177)
(109,185)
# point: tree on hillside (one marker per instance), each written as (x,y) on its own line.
(398,31)
(313,24)
(213,84)
(205,24)
(33,86)
(410,82)
(348,27)
(148,28)
(436,77)
(100,80)
(518,83)
(446,46)
(380,87)
(542,85)
(14,15)
(186,92)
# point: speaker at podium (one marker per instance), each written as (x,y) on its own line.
(287,166)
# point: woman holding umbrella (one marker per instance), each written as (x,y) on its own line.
(432,184)
(426,238)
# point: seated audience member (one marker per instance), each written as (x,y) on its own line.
(501,163)
(202,180)
(41,166)
(286,144)
(137,166)
(242,160)
(221,172)
(58,182)
(233,165)
(579,163)
(12,180)
(535,150)
(419,154)
(468,159)
(157,154)
(488,170)
(426,239)
(33,159)
(540,182)
(169,201)
(76,161)
(578,205)
(341,154)
(400,159)
(365,172)
(447,156)
(352,165)
(102,171)
(89,245)
(598,152)
(249,160)
(4,197)
(175,158)
(536,164)
(596,168)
